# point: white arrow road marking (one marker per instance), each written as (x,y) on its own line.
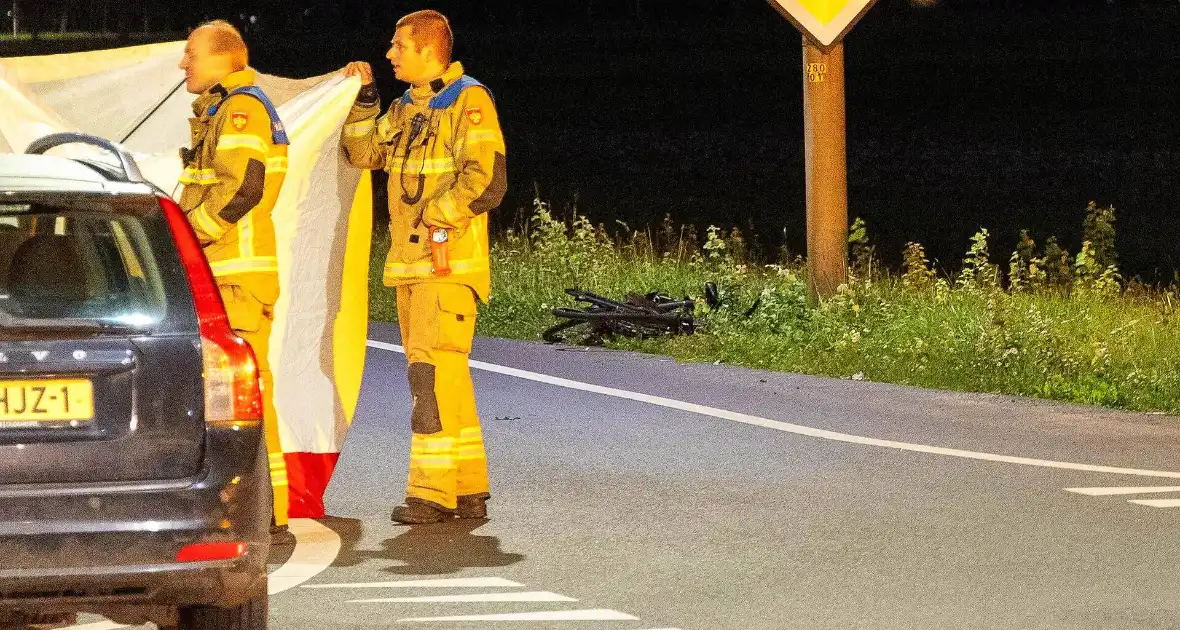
(1157,503)
(1106,492)
(557,615)
(445,583)
(535,596)
(797,429)
(316,547)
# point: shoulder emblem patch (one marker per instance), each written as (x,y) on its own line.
(239,120)
(475,115)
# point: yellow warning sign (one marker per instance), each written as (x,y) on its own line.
(825,21)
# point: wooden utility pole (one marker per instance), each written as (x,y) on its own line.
(826,164)
(824,23)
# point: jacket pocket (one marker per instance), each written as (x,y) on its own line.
(408,244)
(456,318)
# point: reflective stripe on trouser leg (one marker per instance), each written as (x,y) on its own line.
(433,469)
(472,458)
(274,449)
(259,341)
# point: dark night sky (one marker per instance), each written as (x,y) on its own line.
(501,12)
(983,113)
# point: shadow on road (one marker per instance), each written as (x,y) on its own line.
(437,549)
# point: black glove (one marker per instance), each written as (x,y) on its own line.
(368,95)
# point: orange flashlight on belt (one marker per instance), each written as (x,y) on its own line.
(438,252)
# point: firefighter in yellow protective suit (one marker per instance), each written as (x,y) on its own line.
(442,147)
(232,176)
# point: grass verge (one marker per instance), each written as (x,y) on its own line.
(1077,333)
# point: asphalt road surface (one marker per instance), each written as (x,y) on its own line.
(635,493)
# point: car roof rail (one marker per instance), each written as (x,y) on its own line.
(127,163)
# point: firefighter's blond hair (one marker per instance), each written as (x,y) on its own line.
(225,39)
(429,27)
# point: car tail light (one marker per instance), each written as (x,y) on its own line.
(210,552)
(231,371)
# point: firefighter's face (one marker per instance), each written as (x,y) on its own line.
(410,64)
(202,67)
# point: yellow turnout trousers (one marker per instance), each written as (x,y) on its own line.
(251,320)
(447,458)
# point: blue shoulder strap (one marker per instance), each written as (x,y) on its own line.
(450,95)
(278,132)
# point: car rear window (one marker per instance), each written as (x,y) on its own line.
(83,260)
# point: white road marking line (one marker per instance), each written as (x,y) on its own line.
(316,548)
(445,583)
(1157,503)
(535,596)
(1106,492)
(557,615)
(796,428)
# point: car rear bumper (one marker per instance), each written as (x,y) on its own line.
(137,594)
(99,547)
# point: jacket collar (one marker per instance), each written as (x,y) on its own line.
(217,93)
(453,73)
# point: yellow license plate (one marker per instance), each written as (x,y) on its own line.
(46,400)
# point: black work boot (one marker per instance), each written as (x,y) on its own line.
(473,506)
(414,513)
(281,536)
